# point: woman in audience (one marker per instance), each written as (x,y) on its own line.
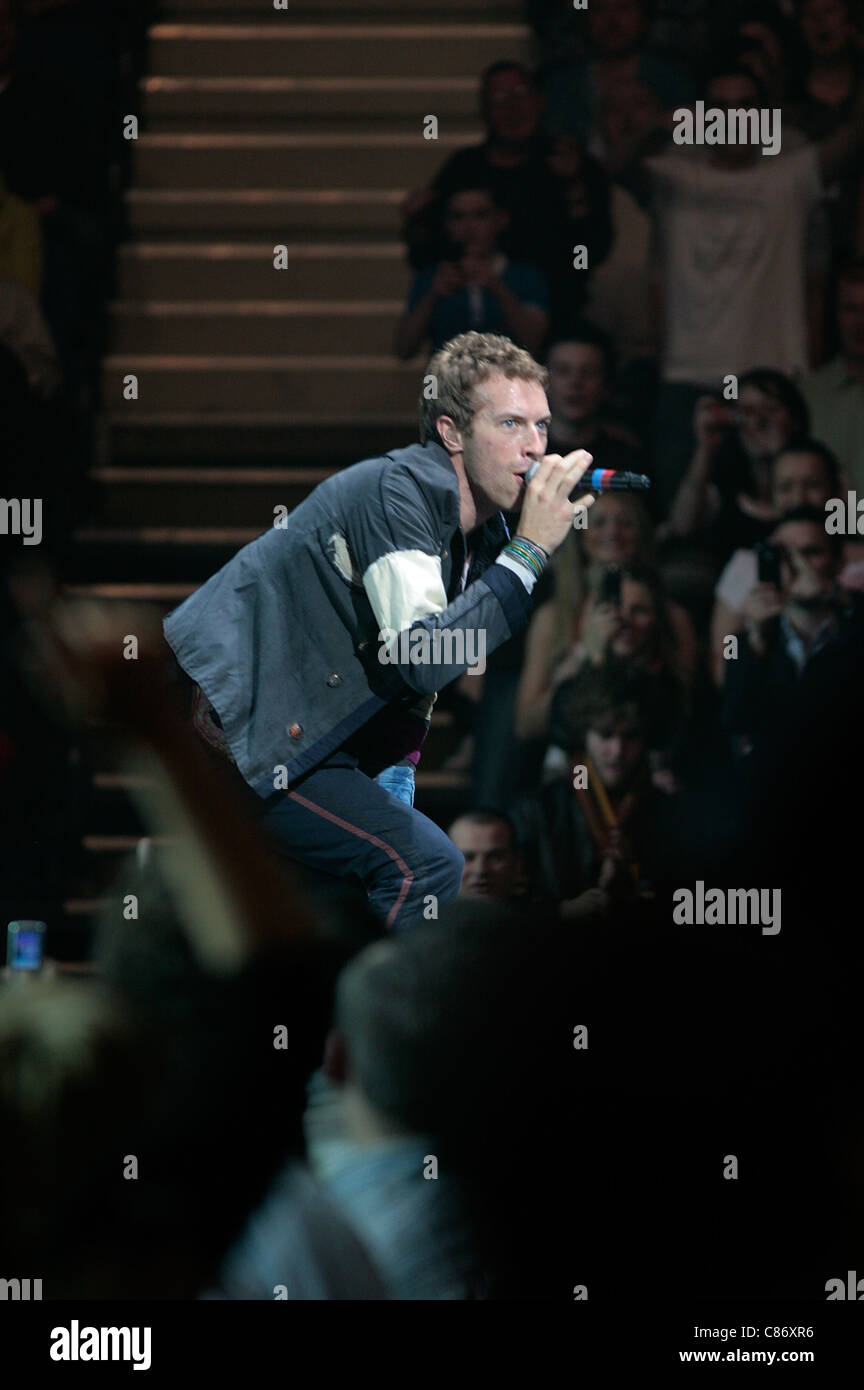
(577,625)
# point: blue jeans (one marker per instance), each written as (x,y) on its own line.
(338,820)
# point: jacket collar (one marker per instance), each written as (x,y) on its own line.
(487,539)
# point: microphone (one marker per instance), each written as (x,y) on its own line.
(604,480)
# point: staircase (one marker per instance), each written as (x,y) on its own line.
(262,128)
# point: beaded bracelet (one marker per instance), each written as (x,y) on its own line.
(533,556)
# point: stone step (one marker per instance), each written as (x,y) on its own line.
(158,556)
(200,497)
(163,597)
(266,160)
(182,438)
(223,103)
(252,327)
(351,214)
(245,270)
(226,384)
(167,536)
(373,48)
(288,10)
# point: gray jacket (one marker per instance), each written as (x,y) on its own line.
(284,640)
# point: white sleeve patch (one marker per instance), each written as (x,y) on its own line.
(404,586)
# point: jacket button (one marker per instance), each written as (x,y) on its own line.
(335,679)
(295,730)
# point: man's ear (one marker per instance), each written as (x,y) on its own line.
(335,1062)
(450,436)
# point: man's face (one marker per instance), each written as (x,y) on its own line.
(850,319)
(764,423)
(809,565)
(508,433)
(490,860)
(511,106)
(617,27)
(616,747)
(577,381)
(628,109)
(799,480)
(825,26)
(474,220)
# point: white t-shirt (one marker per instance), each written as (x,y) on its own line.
(738,578)
(733,247)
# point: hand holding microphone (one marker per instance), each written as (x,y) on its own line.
(547,512)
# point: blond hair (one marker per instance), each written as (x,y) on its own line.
(570,568)
(462,364)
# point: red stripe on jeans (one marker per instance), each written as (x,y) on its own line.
(407,874)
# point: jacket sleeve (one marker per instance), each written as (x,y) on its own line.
(397,546)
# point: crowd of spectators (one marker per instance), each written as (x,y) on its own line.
(699,309)
(535,1091)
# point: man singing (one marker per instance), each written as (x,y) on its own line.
(318,649)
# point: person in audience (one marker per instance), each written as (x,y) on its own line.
(555,195)
(477,287)
(228,937)
(488,842)
(570,624)
(802,630)
(24,332)
(833,64)
(581,378)
(57,129)
(805,474)
(734,269)
(617,31)
(606,825)
(621,292)
(726,492)
(833,75)
(634,628)
(763,40)
(835,392)
(20,241)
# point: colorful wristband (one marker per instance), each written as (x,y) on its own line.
(533,556)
